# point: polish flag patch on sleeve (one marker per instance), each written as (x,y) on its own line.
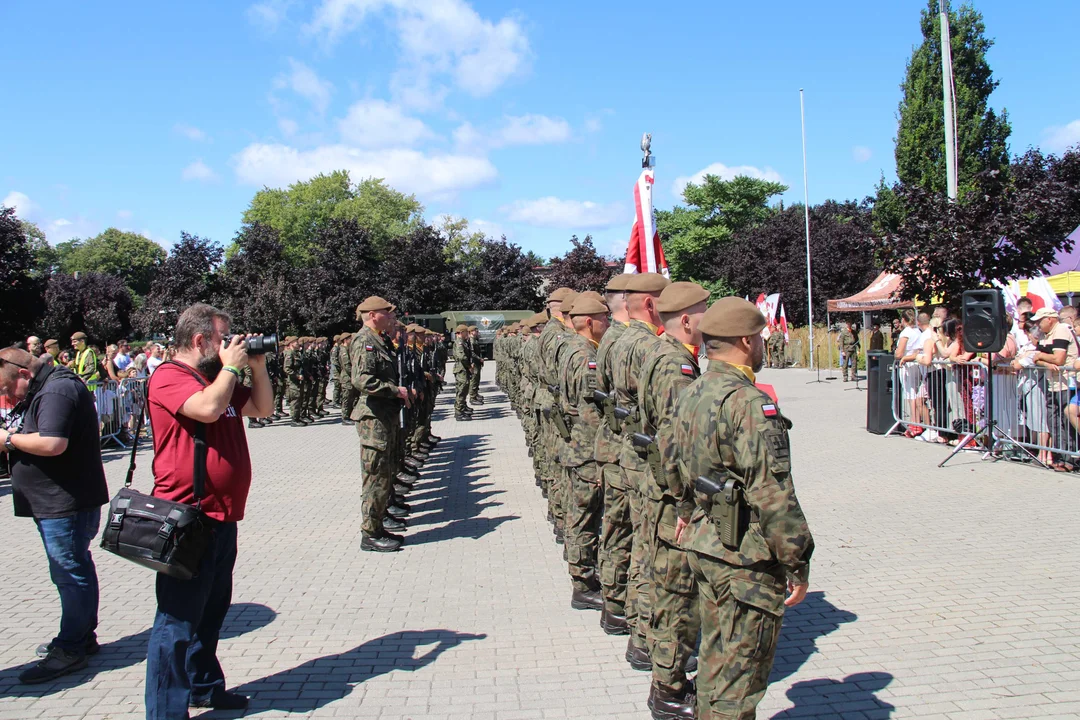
(592,364)
(769,410)
(369,348)
(688,370)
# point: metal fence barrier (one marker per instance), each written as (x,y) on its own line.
(118,407)
(1034,408)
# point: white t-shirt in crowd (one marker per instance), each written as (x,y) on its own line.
(920,343)
(122,360)
(151,364)
(912,334)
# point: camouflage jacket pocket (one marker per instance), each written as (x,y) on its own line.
(373,433)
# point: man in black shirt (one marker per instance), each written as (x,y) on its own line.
(57,479)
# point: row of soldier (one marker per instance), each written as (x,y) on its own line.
(669,488)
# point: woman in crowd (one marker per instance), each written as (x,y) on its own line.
(911,376)
(1032,396)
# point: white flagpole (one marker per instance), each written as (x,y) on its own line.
(806,211)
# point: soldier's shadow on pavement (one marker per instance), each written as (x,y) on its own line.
(814,617)
(321,681)
(5,488)
(812,698)
(127,651)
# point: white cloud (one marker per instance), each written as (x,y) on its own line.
(553,212)
(200,171)
(269,14)
(288,127)
(515,130)
(437,38)
(1060,138)
(306,83)
(861,153)
(407,170)
(725,173)
(124,214)
(24,207)
(493,230)
(378,124)
(190,132)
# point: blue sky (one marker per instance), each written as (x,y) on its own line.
(523,117)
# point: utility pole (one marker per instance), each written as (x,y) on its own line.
(947,94)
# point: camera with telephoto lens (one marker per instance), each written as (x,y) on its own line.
(257,344)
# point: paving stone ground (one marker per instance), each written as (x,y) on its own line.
(945,593)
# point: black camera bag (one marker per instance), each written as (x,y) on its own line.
(163,535)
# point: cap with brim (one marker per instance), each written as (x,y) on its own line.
(1045,313)
(647,283)
(52,342)
(617,283)
(732,317)
(78,336)
(559,294)
(374,304)
(586,305)
(680,296)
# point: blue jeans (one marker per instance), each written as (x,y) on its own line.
(181,660)
(67,543)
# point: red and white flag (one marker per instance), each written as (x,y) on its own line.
(1042,295)
(783,323)
(763,308)
(644,253)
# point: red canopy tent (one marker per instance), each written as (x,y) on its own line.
(882,294)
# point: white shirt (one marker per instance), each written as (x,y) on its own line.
(122,360)
(912,334)
(924,335)
(151,364)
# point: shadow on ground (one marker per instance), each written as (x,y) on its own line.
(320,682)
(128,651)
(814,617)
(855,693)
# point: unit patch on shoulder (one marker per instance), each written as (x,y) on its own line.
(769,410)
(687,369)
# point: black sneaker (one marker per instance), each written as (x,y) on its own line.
(91,648)
(57,662)
(221,701)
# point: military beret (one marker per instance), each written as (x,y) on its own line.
(568,300)
(732,317)
(78,336)
(592,294)
(680,296)
(617,283)
(559,295)
(647,283)
(373,304)
(52,342)
(320,339)
(585,305)
(461,328)
(337,338)
(539,319)
(290,339)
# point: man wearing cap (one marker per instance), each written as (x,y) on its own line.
(86,360)
(375,377)
(51,351)
(462,358)
(1055,351)
(527,390)
(589,320)
(293,371)
(477,351)
(628,355)
(322,352)
(776,347)
(849,353)
(674,620)
(728,431)
(551,337)
(335,348)
(617,531)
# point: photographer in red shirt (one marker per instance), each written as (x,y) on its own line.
(202,385)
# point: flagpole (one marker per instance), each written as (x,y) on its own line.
(806,213)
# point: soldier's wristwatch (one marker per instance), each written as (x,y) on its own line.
(8,445)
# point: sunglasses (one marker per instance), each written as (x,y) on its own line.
(4,362)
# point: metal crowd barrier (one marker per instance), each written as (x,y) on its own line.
(118,407)
(1036,409)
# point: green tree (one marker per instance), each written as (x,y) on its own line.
(581,268)
(188,276)
(133,258)
(20,287)
(46,258)
(981,134)
(716,209)
(297,213)
(463,246)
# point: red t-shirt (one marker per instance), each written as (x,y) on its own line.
(228,464)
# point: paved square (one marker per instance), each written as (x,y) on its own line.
(934,593)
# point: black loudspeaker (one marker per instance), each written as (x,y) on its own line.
(879,397)
(984,320)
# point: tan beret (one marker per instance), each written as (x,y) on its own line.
(680,296)
(559,295)
(592,294)
(568,300)
(337,338)
(732,317)
(320,339)
(585,305)
(617,283)
(647,283)
(373,304)
(461,328)
(290,339)
(538,319)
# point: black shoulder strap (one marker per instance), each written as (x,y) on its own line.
(199,472)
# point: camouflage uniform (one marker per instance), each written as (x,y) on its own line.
(530,384)
(776,349)
(322,356)
(558,487)
(727,429)
(477,356)
(849,354)
(293,372)
(675,621)
(375,377)
(544,400)
(461,375)
(344,379)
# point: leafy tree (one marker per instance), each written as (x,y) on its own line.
(187,277)
(462,245)
(982,135)
(716,209)
(129,256)
(20,286)
(46,259)
(535,260)
(771,256)
(1006,226)
(582,268)
(259,286)
(345,272)
(503,279)
(98,304)
(417,276)
(299,211)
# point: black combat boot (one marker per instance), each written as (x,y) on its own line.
(668,704)
(381,543)
(586,600)
(638,656)
(613,623)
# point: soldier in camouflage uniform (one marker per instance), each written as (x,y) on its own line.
(530,420)
(617,531)
(776,347)
(849,352)
(344,379)
(589,319)
(477,364)
(674,620)
(292,368)
(375,377)
(731,433)
(559,488)
(322,355)
(462,365)
(627,357)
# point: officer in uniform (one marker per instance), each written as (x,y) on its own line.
(748,541)
(477,364)
(292,368)
(462,366)
(617,531)
(344,379)
(849,352)
(554,330)
(674,619)
(322,353)
(375,377)
(628,356)
(589,320)
(776,347)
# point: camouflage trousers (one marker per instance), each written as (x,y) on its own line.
(294,396)
(675,620)
(422,424)
(320,394)
(583,525)
(474,384)
(349,396)
(616,537)
(555,476)
(307,392)
(377,442)
(638,592)
(741,615)
(337,389)
(279,394)
(461,390)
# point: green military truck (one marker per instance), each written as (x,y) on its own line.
(486,321)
